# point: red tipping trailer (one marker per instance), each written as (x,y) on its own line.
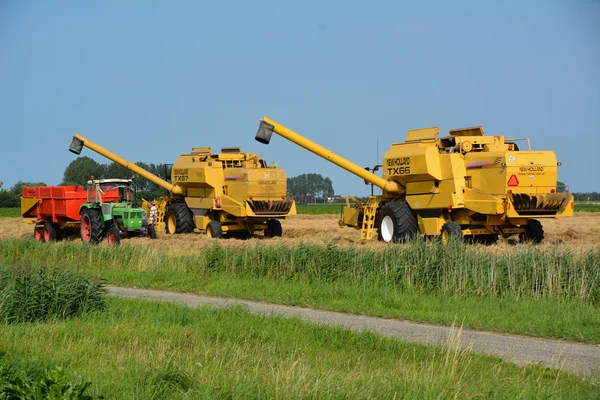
(56,208)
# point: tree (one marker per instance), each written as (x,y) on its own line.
(78,172)
(12,197)
(306,188)
(561,187)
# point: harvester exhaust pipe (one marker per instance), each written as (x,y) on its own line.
(76,146)
(268,126)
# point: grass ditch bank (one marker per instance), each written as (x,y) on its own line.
(140,349)
(550,294)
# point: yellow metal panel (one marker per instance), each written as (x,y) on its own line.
(472,131)
(483,203)
(200,202)
(415,135)
(421,188)
(27,204)
(430,226)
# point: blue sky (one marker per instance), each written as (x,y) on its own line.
(150,80)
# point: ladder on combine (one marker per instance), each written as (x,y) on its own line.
(368,222)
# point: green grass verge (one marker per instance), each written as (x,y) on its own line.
(319,208)
(587,207)
(10,212)
(550,294)
(145,350)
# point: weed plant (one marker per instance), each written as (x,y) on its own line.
(29,294)
(36,381)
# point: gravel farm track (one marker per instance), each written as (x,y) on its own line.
(578,233)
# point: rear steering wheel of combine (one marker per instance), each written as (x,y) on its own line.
(179,219)
(113,236)
(396,222)
(91,226)
(534,232)
(214,230)
(451,229)
(50,232)
(273,228)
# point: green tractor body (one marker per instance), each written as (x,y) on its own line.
(110,212)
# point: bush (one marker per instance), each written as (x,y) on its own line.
(29,294)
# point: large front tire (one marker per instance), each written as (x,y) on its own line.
(179,219)
(396,222)
(91,226)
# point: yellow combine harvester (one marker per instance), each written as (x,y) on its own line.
(465,184)
(228,193)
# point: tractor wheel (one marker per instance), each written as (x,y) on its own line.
(451,229)
(273,228)
(214,230)
(179,219)
(91,226)
(534,232)
(38,234)
(50,232)
(113,236)
(396,222)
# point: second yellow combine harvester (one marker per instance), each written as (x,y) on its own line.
(465,184)
(229,193)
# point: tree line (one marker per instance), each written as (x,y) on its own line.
(304,188)
(79,171)
(310,188)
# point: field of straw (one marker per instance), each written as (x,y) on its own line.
(580,232)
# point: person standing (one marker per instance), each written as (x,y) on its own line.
(152,217)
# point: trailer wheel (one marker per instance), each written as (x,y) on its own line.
(214,230)
(273,228)
(91,226)
(396,222)
(179,219)
(38,234)
(113,236)
(534,232)
(451,229)
(50,233)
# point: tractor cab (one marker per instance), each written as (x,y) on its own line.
(110,191)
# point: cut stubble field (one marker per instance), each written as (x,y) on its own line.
(580,232)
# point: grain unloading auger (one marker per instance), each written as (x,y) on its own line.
(227,193)
(465,185)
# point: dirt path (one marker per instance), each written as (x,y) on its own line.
(573,357)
